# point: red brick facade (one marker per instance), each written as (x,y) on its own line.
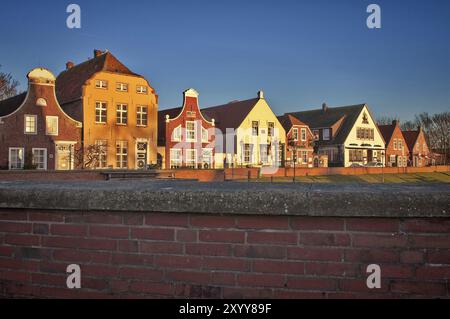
(419,153)
(397,152)
(187,136)
(139,255)
(38,133)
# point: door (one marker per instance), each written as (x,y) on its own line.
(64,156)
(141,155)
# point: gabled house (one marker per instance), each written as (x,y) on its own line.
(185,136)
(35,132)
(397,152)
(118,109)
(348,134)
(300,144)
(248,133)
(419,153)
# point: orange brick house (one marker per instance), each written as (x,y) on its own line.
(419,153)
(397,152)
(186,138)
(35,132)
(118,109)
(300,144)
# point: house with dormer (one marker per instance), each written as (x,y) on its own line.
(347,134)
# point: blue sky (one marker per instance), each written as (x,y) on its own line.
(301,53)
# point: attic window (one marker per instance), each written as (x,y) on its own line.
(41,102)
(191,114)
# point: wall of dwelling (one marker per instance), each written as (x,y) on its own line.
(420,155)
(397,154)
(353,142)
(111,131)
(302,145)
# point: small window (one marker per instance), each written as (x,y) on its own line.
(16,158)
(255,128)
(191,114)
(271,131)
(101,84)
(100,112)
(30,124)
(141,89)
(176,135)
(326,134)
(204,135)
(40,158)
(141,114)
(122,154)
(122,87)
(295,134)
(51,125)
(122,114)
(303,134)
(190,131)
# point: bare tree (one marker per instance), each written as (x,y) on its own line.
(8,86)
(408,126)
(89,156)
(386,120)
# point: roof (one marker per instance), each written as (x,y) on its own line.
(288,120)
(387,131)
(327,118)
(162,123)
(410,138)
(8,106)
(69,83)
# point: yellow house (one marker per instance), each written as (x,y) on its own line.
(248,133)
(118,109)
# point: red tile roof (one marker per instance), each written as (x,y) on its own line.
(288,120)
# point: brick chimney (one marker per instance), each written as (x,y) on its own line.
(324,107)
(395,122)
(69,65)
(97,53)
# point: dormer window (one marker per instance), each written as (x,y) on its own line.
(326,134)
(295,134)
(303,136)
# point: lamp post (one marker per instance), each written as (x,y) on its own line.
(293,148)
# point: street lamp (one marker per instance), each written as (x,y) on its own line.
(293,147)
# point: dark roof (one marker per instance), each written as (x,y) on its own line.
(410,138)
(10,105)
(162,123)
(326,118)
(230,115)
(387,131)
(69,83)
(288,120)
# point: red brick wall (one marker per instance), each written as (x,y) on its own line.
(85,175)
(188,255)
(397,135)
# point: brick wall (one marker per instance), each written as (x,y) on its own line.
(34,175)
(189,255)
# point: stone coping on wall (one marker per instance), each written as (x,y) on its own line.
(343,200)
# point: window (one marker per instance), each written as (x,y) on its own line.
(122,87)
(255,128)
(303,134)
(40,158)
(316,134)
(207,157)
(175,158)
(101,84)
(356,155)
(100,112)
(304,157)
(295,134)
(122,154)
(141,89)
(365,133)
(399,144)
(102,149)
(190,131)
(191,114)
(51,125)
(247,153)
(30,124)
(271,126)
(392,159)
(204,135)
(141,115)
(16,158)
(395,144)
(263,149)
(191,158)
(176,135)
(326,134)
(122,114)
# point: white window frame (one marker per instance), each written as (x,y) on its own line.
(121,113)
(303,134)
(244,151)
(176,134)
(295,134)
(188,158)
(194,139)
(140,115)
(10,161)
(103,153)
(304,155)
(205,135)
(323,134)
(122,154)
(271,129)
(139,89)
(47,118)
(210,157)
(179,157)
(45,157)
(25,124)
(101,84)
(121,87)
(102,107)
(395,144)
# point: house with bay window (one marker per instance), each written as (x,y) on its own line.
(186,138)
(35,132)
(248,133)
(348,134)
(397,152)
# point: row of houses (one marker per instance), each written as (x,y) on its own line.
(100,114)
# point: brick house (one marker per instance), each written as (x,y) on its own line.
(397,152)
(300,144)
(419,153)
(347,134)
(35,132)
(118,109)
(186,138)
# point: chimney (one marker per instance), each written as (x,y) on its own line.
(97,53)
(419,128)
(324,107)
(69,65)
(394,123)
(261,94)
